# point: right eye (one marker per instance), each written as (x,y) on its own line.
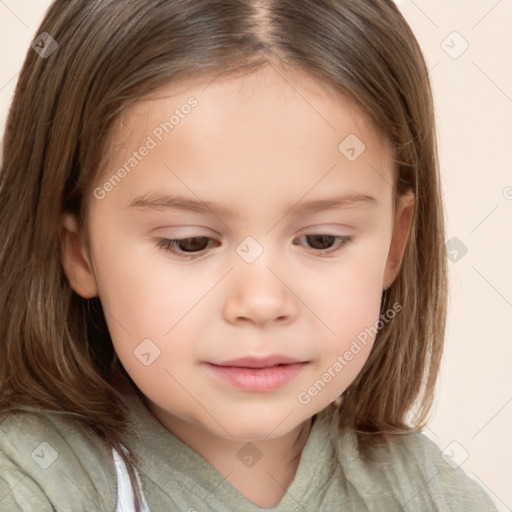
(184,247)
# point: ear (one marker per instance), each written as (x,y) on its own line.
(401,230)
(75,260)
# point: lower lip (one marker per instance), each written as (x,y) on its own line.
(257,379)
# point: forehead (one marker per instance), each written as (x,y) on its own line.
(266,129)
(268,94)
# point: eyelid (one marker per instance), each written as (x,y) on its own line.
(182,232)
(341,241)
(325,253)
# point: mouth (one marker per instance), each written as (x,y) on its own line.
(259,362)
(257,374)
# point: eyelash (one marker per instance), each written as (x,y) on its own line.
(170,245)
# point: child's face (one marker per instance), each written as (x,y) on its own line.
(262,147)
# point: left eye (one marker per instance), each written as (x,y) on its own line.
(319,241)
(187,247)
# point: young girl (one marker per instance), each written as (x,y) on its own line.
(222,262)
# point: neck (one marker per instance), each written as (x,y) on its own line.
(260,469)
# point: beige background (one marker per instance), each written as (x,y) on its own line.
(472,418)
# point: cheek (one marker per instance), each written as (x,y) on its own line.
(142,303)
(141,291)
(352,315)
(349,294)
(349,307)
(348,299)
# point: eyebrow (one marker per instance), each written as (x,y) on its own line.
(160,202)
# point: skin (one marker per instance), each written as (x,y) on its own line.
(258,144)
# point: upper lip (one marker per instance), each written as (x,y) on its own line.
(259,362)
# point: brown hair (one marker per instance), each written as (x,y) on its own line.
(55,349)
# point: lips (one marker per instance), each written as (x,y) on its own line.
(259,362)
(257,373)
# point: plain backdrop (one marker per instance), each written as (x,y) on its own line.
(468,48)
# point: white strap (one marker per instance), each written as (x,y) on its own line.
(125,494)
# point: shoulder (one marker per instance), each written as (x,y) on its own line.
(407,471)
(438,480)
(48,462)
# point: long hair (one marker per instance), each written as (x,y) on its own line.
(55,349)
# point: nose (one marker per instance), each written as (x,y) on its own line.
(259,295)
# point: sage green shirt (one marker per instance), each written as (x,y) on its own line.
(50,463)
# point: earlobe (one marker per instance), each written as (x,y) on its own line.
(74,258)
(401,231)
